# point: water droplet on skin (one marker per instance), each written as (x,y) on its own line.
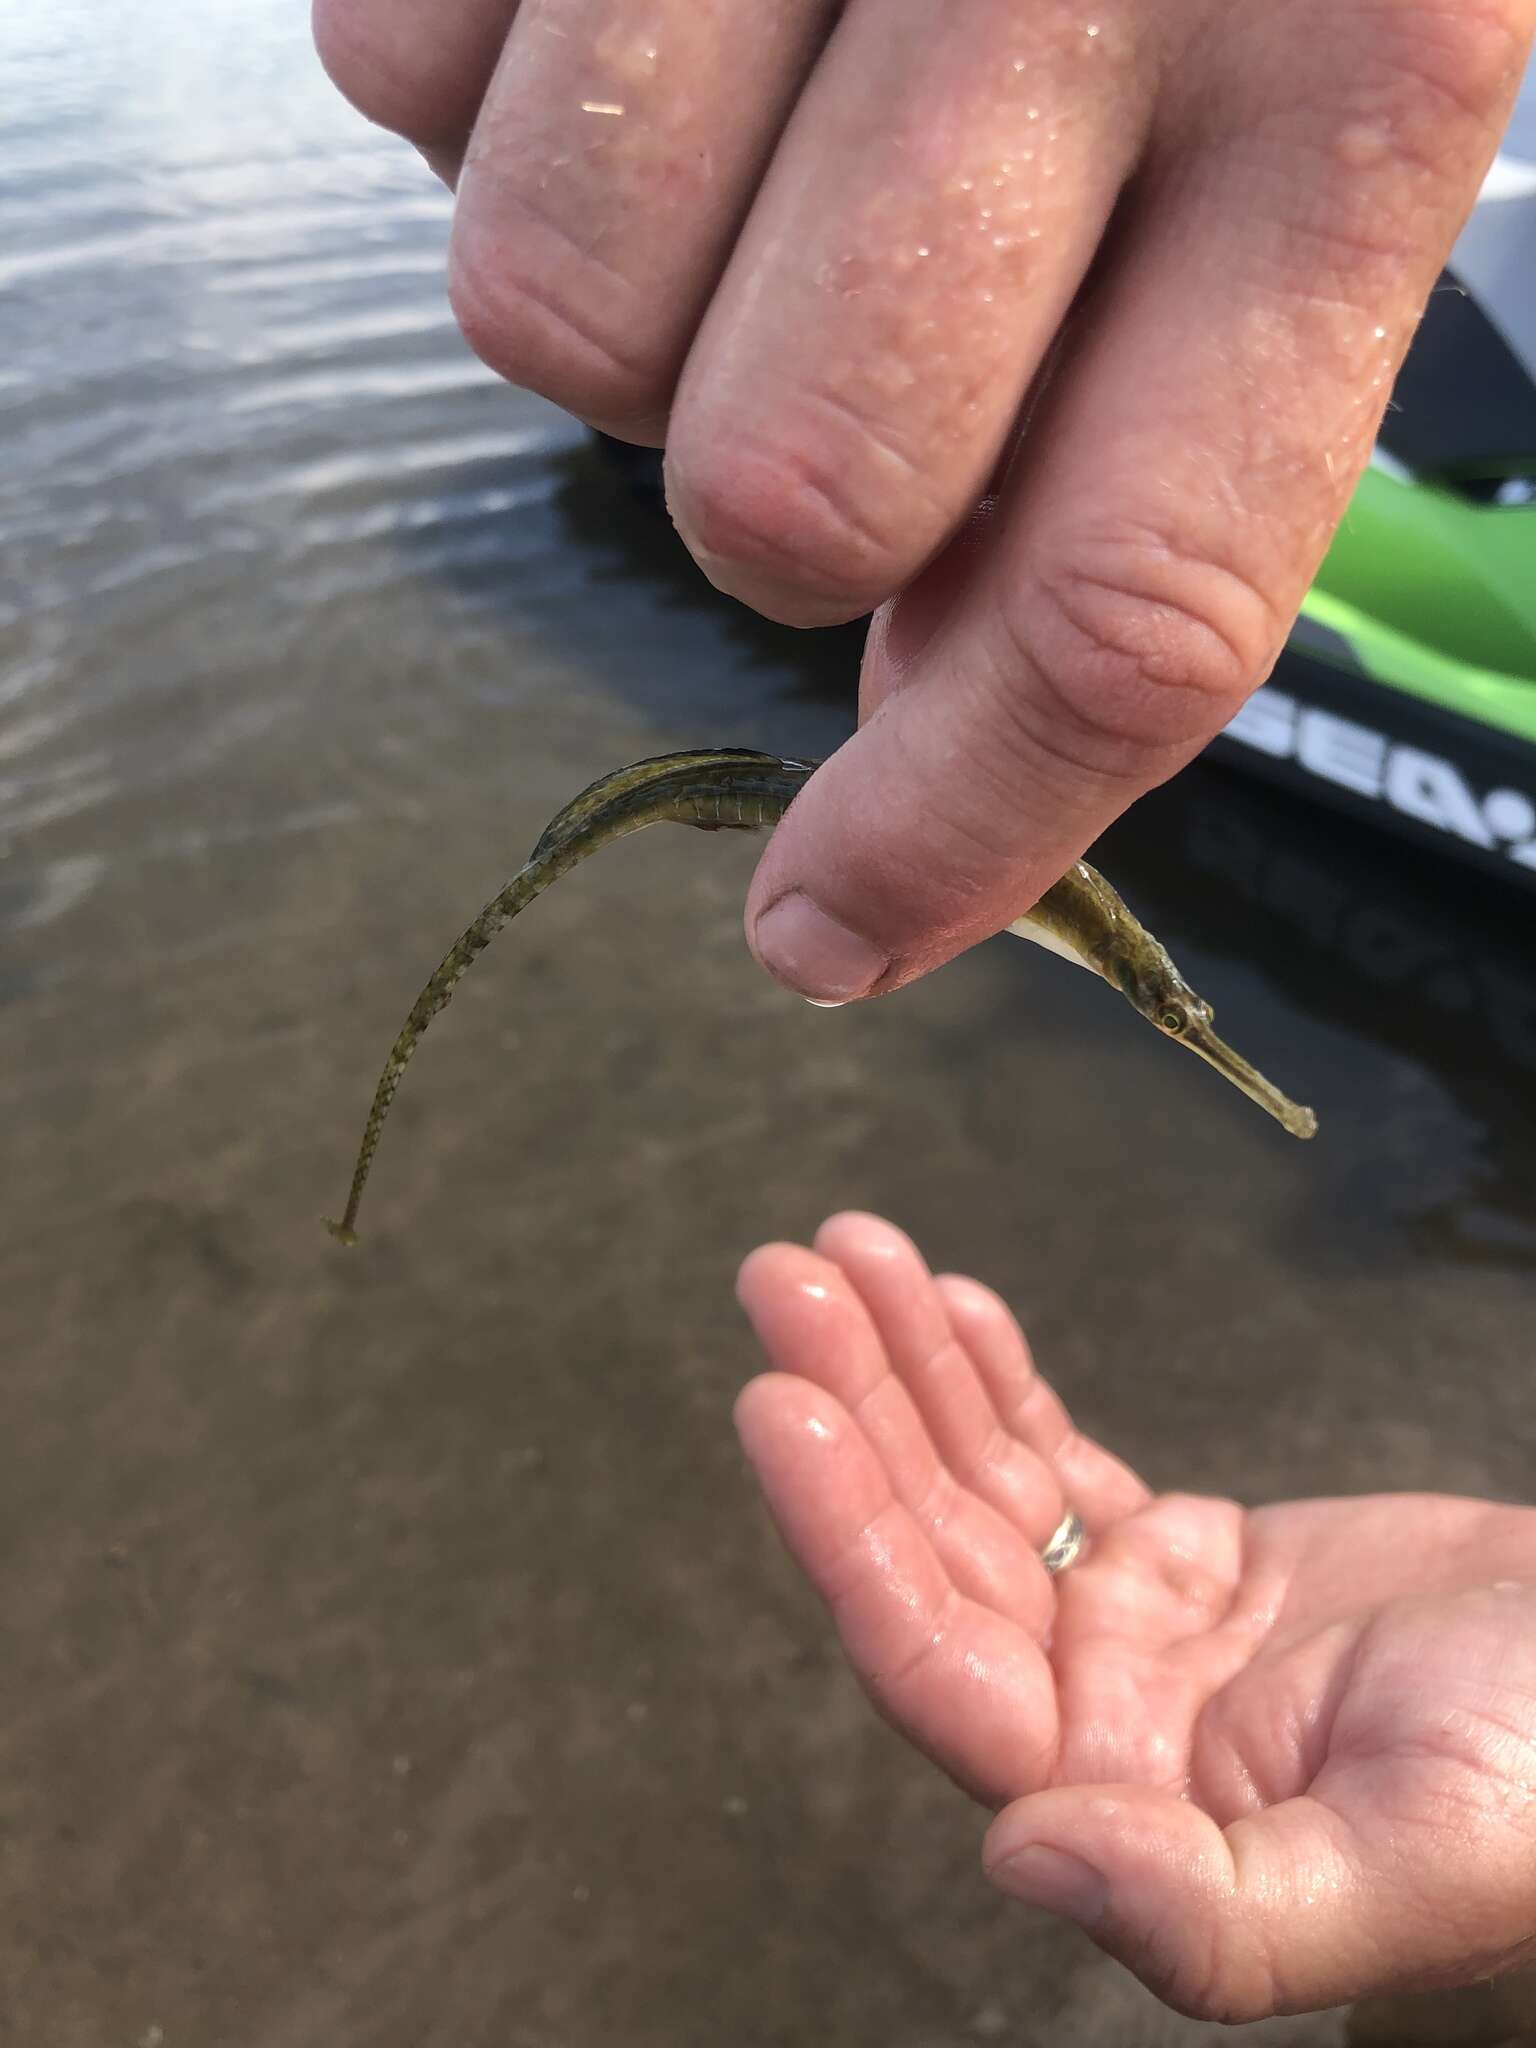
(1031,113)
(1019,64)
(922,249)
(1091,30)
(1362,144)
(1380,333)
(986,213)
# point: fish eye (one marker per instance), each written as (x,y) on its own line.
(1173,1019)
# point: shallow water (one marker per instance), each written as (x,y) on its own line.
(394,1653)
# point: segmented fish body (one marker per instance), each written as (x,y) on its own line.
(734,789)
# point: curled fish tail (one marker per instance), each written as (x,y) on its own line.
(530,881)
(718,788)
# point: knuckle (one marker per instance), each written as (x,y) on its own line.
(782,516)
(1463,56)
(523,300)
(1127,648)
(392,80)
(1412,115)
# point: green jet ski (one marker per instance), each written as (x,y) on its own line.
(1407,690)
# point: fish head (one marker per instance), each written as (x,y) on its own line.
(1156,988)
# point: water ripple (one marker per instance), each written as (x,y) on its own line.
(234,402)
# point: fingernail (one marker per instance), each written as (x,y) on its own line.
(1054,1881)
(813,954)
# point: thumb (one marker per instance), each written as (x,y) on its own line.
(966,793)
(1286,1910)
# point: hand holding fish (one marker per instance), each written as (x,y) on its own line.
(1058,332)
(1271,1760)
(734,789)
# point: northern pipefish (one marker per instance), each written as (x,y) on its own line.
(733,789)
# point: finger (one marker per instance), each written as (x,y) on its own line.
(419,70)
(929,215)
(971,1690)
(615,155)
(1287,1910)
(812,1324)
(1094,1482)
(1173,495)
(906,1309)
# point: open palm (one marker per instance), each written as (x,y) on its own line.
(1272,1759)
